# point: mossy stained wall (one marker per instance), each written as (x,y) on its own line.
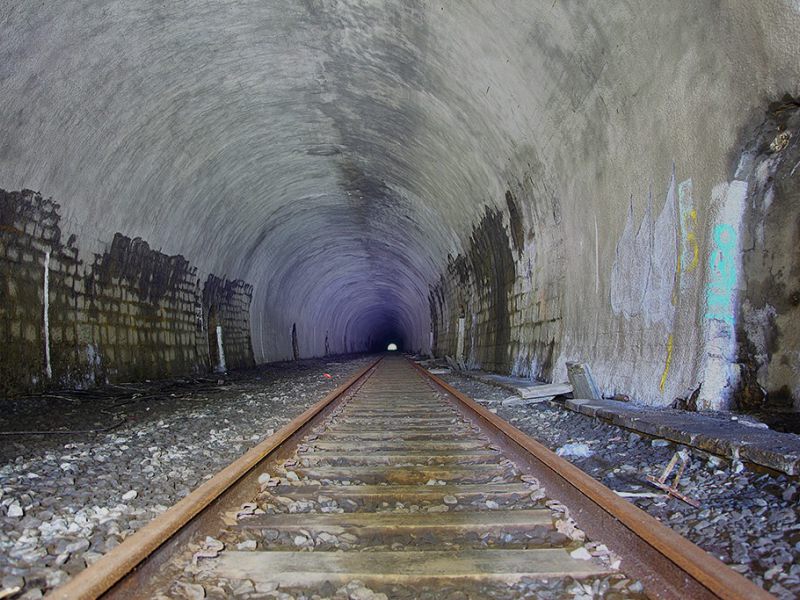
(130,313)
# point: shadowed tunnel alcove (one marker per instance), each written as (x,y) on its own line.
(515,184)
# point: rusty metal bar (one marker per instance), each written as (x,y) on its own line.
(672,490)
(669,565)
(103,575)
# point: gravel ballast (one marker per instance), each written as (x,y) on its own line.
(65,500)
(747,519)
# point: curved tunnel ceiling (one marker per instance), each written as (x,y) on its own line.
(317,150)
(333,153)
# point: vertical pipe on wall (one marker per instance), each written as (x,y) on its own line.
(596,258)
(261,334)
(221,365)
(460,341)
(46,300)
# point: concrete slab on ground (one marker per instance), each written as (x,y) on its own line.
(524,388)
(717,434)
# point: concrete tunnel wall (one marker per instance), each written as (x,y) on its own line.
(375,170)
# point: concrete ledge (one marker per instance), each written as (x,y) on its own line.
(714,434)
(524,388)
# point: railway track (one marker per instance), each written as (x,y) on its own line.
(399,482)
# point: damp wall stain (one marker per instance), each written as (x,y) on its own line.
(229,301)
(515,222)
(492,271)
(507,287)
(148,274)
(768,314)
(132,313)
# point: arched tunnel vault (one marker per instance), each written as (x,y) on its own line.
(364,170)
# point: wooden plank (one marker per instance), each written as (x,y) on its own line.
(393,416)
(312,568)
(404,475)
(352,445)
(396,425)
(432,409)
(349,450)
(463,492)
(412,393)
(393,403)
(395,420)
(362,523)
(403,428)
(400,454)
(431,405)
(342,424)
(418,458)
(429,415)
(390,415)
(407,396)
(398,435)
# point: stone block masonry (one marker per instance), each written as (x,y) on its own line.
(499,304)
(227,305)
(129,313)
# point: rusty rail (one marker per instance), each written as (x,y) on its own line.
(107,572)
(669,565)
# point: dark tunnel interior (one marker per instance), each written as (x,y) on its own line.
(582,216)
(509,186)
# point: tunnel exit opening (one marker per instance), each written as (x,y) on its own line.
(391,347)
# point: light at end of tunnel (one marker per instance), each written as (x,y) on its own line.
(392,347)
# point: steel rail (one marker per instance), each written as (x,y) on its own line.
(669,565)
(113,567)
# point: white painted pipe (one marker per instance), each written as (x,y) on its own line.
(46,298)
(220,351)
(261,335)
(460,340)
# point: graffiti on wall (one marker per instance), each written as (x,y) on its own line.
(660,261)
(632,248)
(667,364)
(723,274)
(688,259)
(657,262)
(643,274)
(724,261)
(720,373)
(659,306)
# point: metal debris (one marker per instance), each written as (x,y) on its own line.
(672,490)
(780,142)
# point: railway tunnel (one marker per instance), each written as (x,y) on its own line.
(508,188)
(576,184)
